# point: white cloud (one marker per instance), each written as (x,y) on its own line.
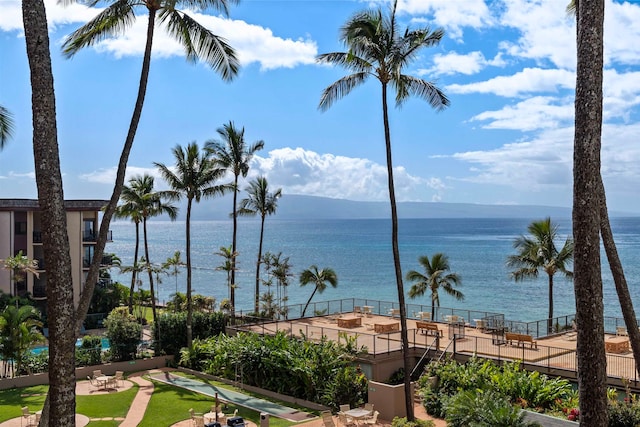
(11,14)
(456,63)
(531,114)
(108,176)
(527,81)
(302,171)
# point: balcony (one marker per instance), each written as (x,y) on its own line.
(106,261)
(92,236)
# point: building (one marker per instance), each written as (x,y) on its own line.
(21,230)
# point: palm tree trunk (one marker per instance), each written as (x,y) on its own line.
(396,260)
(55,241)
(257,301)
(590,351)
(626,304)
(94,269)
(134,270)
(188,251)
(309,300)
(151,288)
(233,249)
(550,321)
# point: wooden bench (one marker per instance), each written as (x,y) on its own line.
(429,328)
(510,337)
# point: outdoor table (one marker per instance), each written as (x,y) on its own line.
(103,380)
(210,417)
(357,413)
(616,345)
(349,322)
(390,326)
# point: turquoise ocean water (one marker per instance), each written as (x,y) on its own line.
(360,253)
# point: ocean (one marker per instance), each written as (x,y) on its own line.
(359,251)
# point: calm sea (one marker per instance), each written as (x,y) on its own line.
(360,253)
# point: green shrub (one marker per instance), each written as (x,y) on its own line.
(124,333)
(171,332)
(90,351)
(402,422)
(476,408)
(623,414)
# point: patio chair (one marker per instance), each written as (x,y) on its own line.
(235,412)
(369,407)
(119,378)
(327,419)
(198,421)
(28,419)
(345,408)
(621,331)
(92,382)
(373,420)
(344,420)
(97,373)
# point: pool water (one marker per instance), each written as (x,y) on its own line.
(37,350)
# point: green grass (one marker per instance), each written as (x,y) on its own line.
(104,424)
(106,405)
(14,399)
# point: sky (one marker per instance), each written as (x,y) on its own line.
(507,66)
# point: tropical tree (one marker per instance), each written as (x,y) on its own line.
(60,401)
(278,268)
(18,332)
(435,277)
(261,201)
(232,153)
(6,126)
(537,252)
(587,218)
(319,278)
(228,264)
(20,265)
(377,47)
(199,43)
(193,178)
(172,265)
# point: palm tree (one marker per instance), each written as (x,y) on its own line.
(172,265)
(277,268)
(319,278)
(261,201)
(20,265)
(6,126)
(228,264)
(233,154)
(199,43)
(378,48)
(435,277)
(538,252)
(194,178)
(18,332)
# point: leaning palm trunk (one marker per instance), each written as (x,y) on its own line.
(626,304)
(396,261)
(61,396)
(94,269)
(550,321)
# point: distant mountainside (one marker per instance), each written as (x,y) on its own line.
(311,207)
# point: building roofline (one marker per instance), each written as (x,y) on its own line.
(34,205)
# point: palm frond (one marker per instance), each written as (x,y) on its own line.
(346,60)
(218,5)
(112,21)
(406,85)
(340,89)
(200,43)
(6,126)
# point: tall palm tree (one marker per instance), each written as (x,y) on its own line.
(377,47)
(172,265)
(199,43)
(6,126)
(228,264)
(261,201)
(18,332)
(537,252)
(232,153)
(435,277)
(193,179)
(319,278)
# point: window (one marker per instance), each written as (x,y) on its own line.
(21,227)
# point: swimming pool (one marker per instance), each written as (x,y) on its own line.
(37,350)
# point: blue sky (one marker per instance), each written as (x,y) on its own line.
(508,67)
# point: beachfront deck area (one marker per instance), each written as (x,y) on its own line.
(380,334)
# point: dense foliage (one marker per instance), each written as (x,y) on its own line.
(402,422)
(317,371)
(443,381)
(477,408)
(170,333)
(124,334)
